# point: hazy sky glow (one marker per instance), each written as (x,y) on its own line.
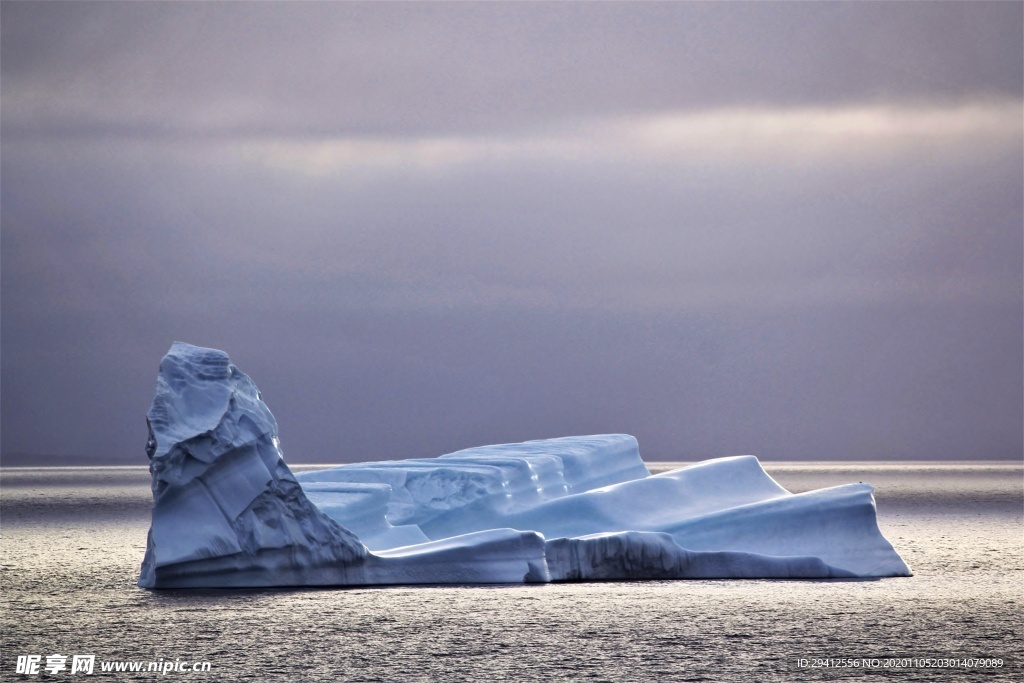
(787,229)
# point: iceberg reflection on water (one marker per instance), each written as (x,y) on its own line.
(228,512)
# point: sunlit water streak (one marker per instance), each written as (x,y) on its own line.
(72,541)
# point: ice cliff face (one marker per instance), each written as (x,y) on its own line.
(224,502)
(228,512)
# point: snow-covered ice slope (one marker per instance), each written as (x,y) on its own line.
(228,512)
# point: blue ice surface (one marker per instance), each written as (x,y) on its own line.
(228,512)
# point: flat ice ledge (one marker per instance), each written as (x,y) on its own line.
(227,511)
(473,489)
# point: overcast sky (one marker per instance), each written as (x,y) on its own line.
(786,229)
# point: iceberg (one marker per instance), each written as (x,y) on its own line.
(228,512)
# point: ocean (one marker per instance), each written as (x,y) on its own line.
(72,539)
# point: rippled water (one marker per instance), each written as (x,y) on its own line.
(72,540)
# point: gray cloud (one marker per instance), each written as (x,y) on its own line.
(274,69)
(787,229)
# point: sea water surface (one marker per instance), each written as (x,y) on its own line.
(72,539)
